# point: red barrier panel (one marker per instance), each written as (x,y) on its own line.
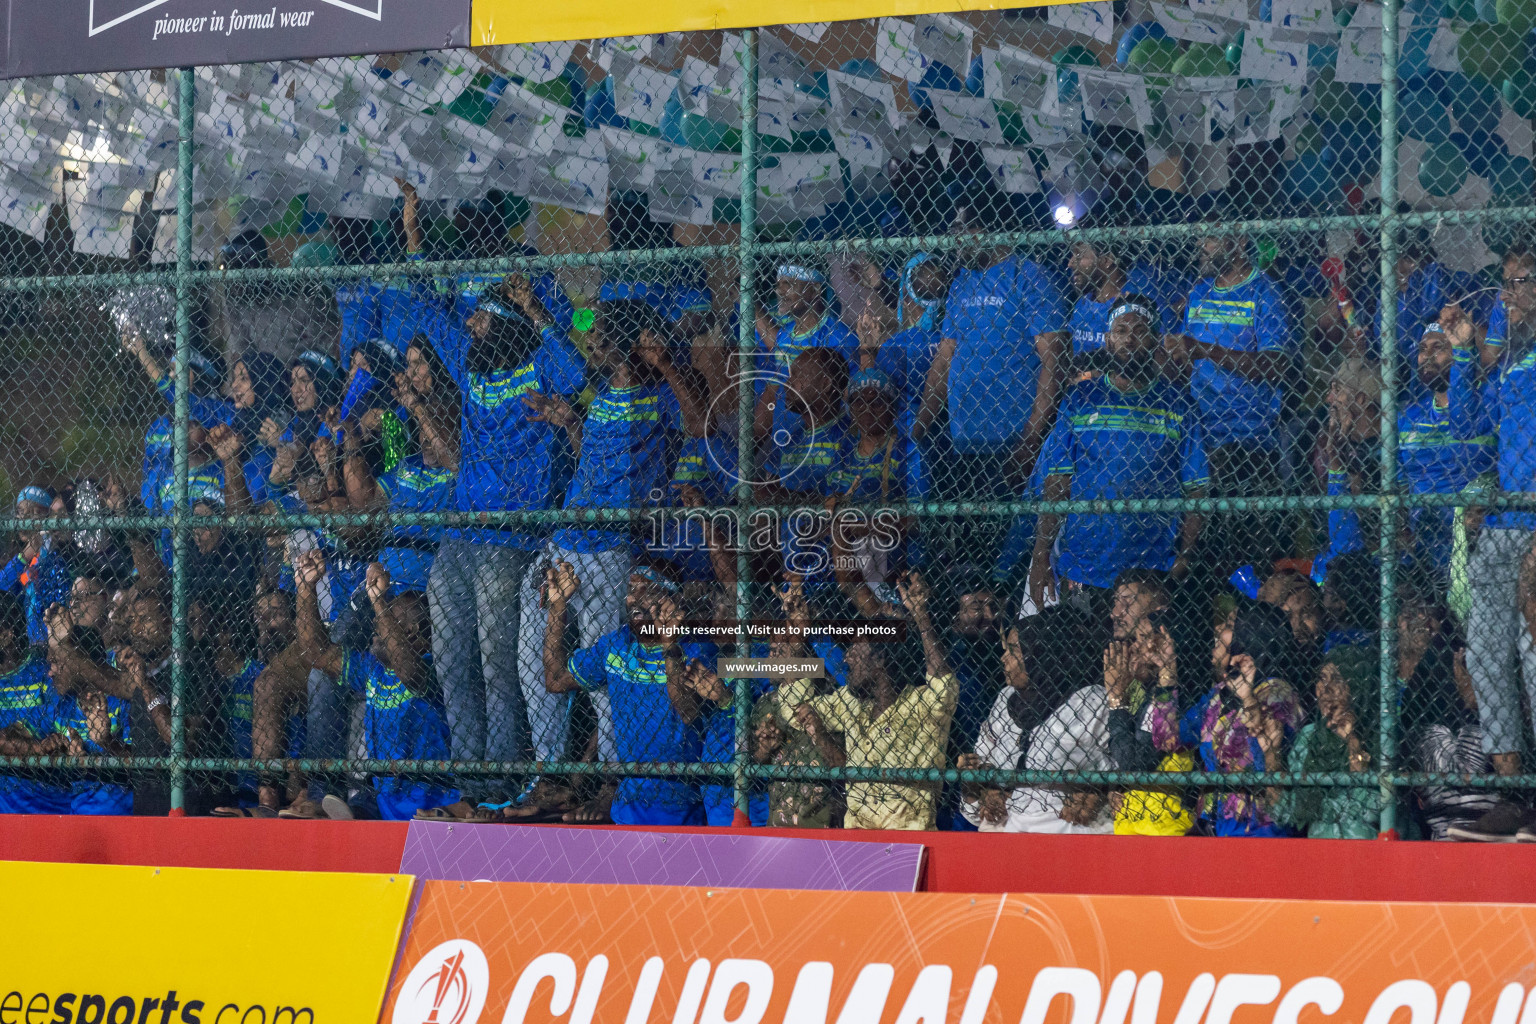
(957,862)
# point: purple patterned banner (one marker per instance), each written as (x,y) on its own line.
(533,853)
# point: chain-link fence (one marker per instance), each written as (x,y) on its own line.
(1109,417)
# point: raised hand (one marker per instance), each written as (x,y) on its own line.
(560,583)
(378,583)
(227,444)
(309,568)
(548,409)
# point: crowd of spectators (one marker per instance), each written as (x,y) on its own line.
(1141,640)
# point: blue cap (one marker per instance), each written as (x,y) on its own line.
(1246,581)
(36,495)
(653,295)
(690,300)
(489,304)
(318,361)
(871,378)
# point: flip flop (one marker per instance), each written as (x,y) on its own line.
(259,811)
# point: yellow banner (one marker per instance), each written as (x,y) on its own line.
(104,944)
(498,22)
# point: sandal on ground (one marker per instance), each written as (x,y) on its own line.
(303,809)
(259,811)
(461,811)
(547,801)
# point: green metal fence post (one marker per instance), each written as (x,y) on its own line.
(1390,503)
(746,345)
(187,111)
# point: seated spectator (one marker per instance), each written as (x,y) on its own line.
(808,323)
(38,574)
(906,355)
(1036,734)
(997,369)
(1352,602)
(794,803)
(242,654)
(28,711)
(400,722)
(1439,715)
(1343,736)
(1127,434)
(645,676)
(1245,722)
(1141,685)
(886,726)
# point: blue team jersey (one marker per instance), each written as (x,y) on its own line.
(1498,325)
(397,724)
(1090,317)
(646,727)
(413,486)
(994,317)
(830,332)
(357,303)
(895,473)
(89,796)
(623,460)
(28,700)
(1247,317)
(42,584)
(1420,299)
(1117,444)
(806,465)
(1504,405)
(239,704)
(505,457)
(708,464)
(905,358)
(1433,461)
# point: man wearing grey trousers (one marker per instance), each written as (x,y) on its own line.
(1500,654)
(643,398)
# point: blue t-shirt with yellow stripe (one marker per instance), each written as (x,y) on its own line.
(1126,445)
(623,460)
(1433,460)
(29,701)
(646,727)
(1247,317)
(414,486)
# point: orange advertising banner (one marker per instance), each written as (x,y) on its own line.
(511,953)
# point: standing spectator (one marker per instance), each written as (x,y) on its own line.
(239,660)
(907,355)
(805,321)
(1127,434)
(885,726)
(1351,450)
(877,463)
(1245,722)
(997,370)
(794,803)
(1435,461)
(1425,286)
(1103,274)
(622,449)
(38,574)
(27,711)
(498,357)
(1237,348)
(645,676)
(1495,639)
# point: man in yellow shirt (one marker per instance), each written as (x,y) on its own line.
(885,726)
